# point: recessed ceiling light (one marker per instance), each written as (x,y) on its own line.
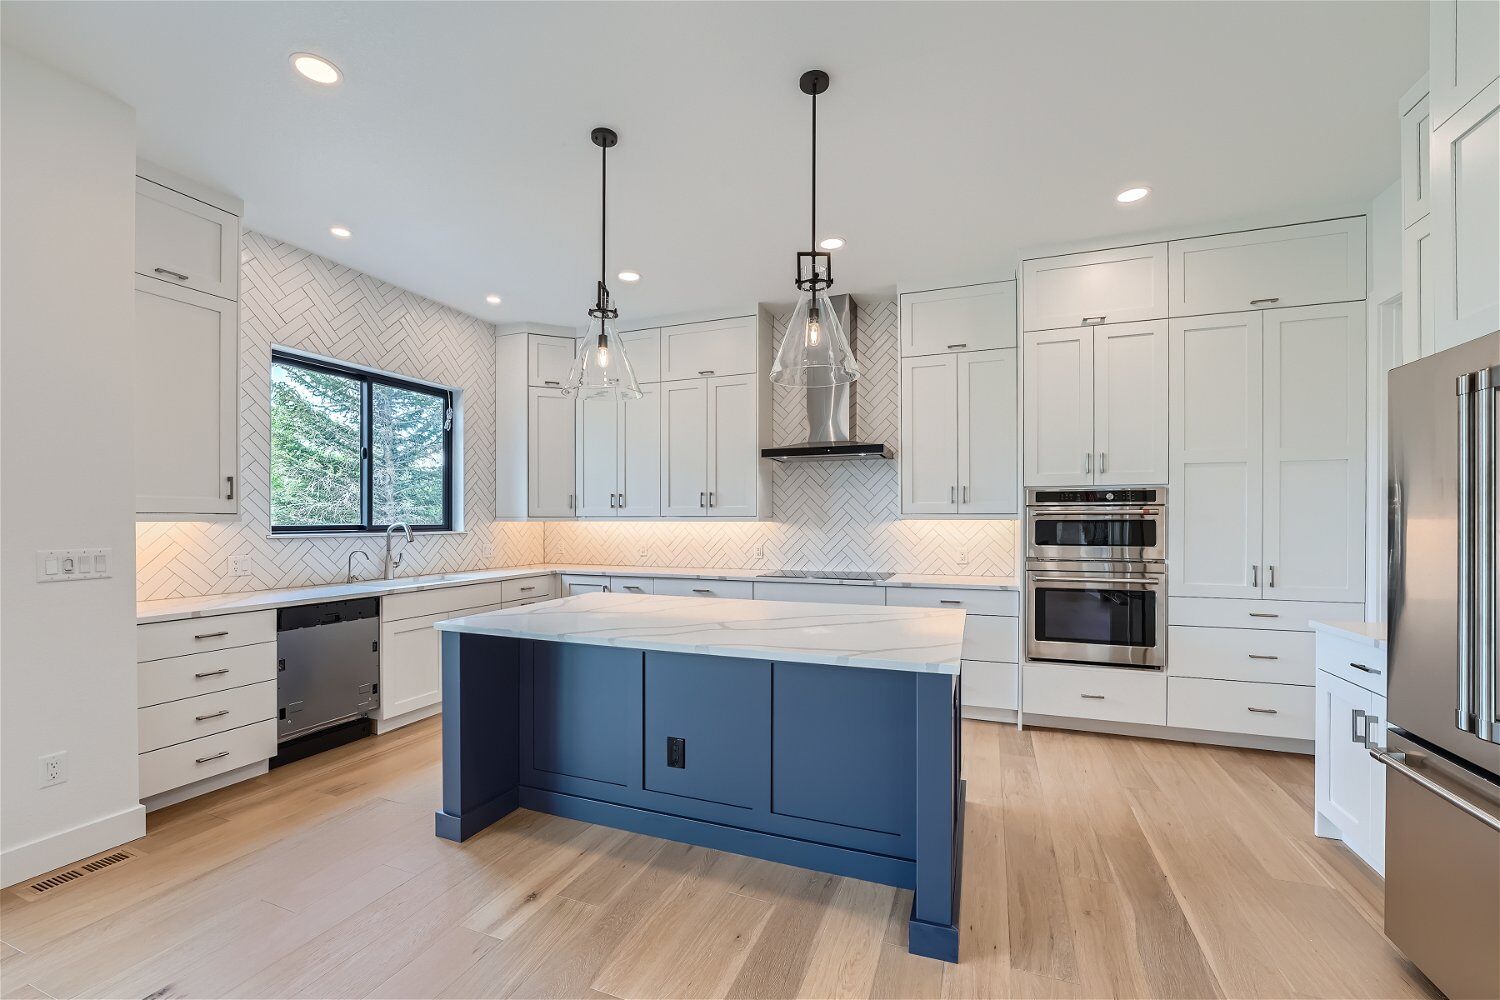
(340,232)
(630,276)
(1132,194)
(492,299)
(316,68)
(832,243)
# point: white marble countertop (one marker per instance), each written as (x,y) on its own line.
(918,640)
(174,608)
(1367,633)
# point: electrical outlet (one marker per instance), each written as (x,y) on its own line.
(242,566)
(760,551)
(640,554)
(53,768)
(963,557)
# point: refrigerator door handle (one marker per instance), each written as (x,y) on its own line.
(1484,555)
(1396,761)
(1464,715)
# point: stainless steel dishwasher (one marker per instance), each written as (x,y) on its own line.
(327,675)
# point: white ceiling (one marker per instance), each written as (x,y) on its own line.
(954,135)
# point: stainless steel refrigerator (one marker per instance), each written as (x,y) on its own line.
(1442,778)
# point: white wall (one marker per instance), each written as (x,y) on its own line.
(67,650)
(1383,332)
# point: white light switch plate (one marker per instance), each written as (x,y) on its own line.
(62,565)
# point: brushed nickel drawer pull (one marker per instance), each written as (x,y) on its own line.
(1093,697)
(957,347)
(213,673)
(221,753)
(173,274)
(631,586)
(214,715)
(1090,320)
(948,600)
(701,590)
(212,635)
(709,372)
(1265,302)
(1262,656)
(1263,614)
(1264,711)
(1361,666)
(548,381)
(524,589)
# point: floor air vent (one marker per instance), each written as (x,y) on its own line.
(69,875)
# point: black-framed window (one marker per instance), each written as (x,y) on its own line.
(353,450)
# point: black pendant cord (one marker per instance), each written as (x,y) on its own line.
(603,138)
(812,243)
(814,266)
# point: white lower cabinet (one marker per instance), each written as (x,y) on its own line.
(1349,786)
(819,593)
(574,585)
(1280,711)
(208,757)
(1106,694)
(989,685)
(676,586)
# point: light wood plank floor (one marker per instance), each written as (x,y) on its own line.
(1095,866)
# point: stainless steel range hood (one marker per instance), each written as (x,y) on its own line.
(831,412)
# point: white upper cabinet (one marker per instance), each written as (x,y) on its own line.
(684,448)
(1059,407)
(1418,306)
(1130,404)
(949,320)
(185,242)
(638,455)
(733,481)
(550,453)
(987,482)
(929,435)
(1214,525)
(1314,491)
(1105,286)
(1466,218)
(186,400)
(548,360)
(720,347)
(598,474)
(1463,40)
(1269,268)
(644,349)
(1416,158)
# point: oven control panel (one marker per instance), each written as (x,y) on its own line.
(1120,496)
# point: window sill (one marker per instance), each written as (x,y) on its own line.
(283,536)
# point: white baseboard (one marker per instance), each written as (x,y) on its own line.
(172,796)
(989,714)
(396,722)
(1277,743)
(17,864)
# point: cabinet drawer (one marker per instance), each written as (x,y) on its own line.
(971,318)
(175,766)
(632,584)
(720,347)
(1233,612)
(1123,285)
(1279,267)
(676,586)
(1284,710)
(522,590)
(819,593)
(1105,693)
(975,602)
(204,673)
(583,585)
(182,241)
(207,714)
(396,607)
(159,640)
(548,360)
(1240,654)
(990,638)
(989,685)
(1361,665)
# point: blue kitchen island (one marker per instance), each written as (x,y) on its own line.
(817,735)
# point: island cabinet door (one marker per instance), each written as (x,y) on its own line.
(581,719)
(708,729)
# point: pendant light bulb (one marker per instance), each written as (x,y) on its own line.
(814,328)
(602,367)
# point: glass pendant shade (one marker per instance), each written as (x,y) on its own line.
(815,349)
(602,367)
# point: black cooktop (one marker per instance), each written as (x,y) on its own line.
(826,574)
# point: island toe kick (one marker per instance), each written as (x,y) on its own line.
(846,770)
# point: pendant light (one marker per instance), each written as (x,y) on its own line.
(602,368)
(815,349)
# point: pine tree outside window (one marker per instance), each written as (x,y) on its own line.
(354,450)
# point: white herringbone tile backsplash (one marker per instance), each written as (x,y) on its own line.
(827,515)
(297,299)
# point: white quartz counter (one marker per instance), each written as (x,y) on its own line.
(1366,633)
(754,575)
(919,640)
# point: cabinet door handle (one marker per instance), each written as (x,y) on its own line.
(1270,576)
(212,715)
(212,673)
(1254,578)
(953,494)
(709,372)
(1091,320)
(229,495)
(211,635)
(1101,463)
(1262,711)
(1088,463)
(1092,697)
(1262,656)
(957,347)
(966,493)
(221,753)
(711,498)
(1265,302)
(170,274)
(1357,733)
(702,501)
(1361,666)
(1372,721)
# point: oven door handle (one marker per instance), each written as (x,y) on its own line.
(1040,580)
